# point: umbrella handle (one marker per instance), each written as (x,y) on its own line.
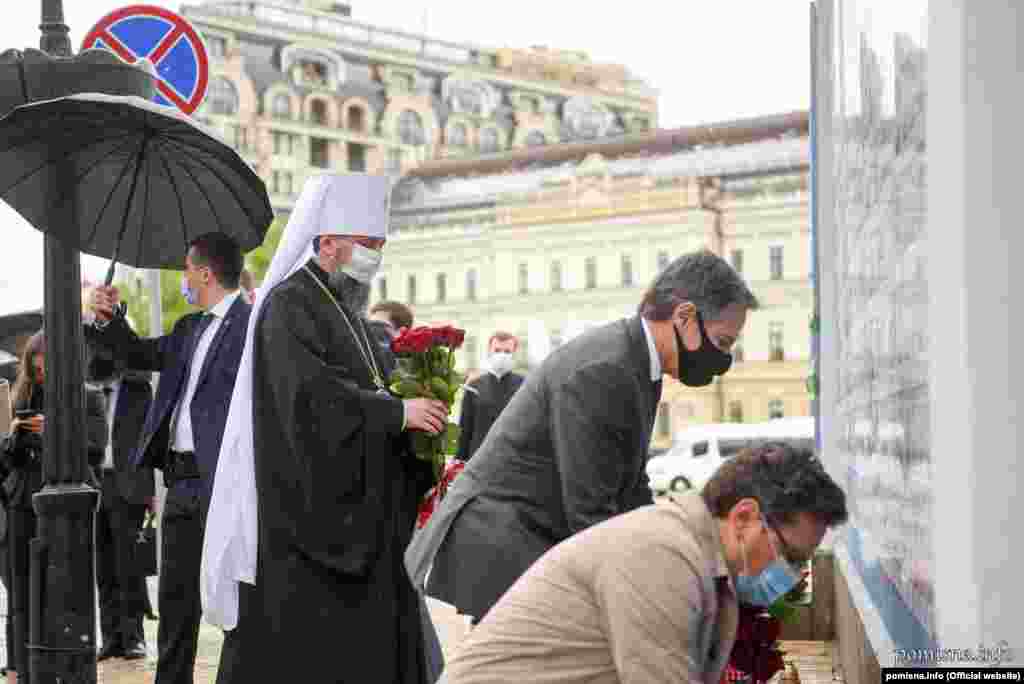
(121,309)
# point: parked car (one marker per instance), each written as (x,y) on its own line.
(700,450)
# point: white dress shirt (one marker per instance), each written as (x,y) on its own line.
(182,439)
(108,458)
(653,351)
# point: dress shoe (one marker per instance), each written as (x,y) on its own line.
(111,649)
(136,651)
(150,615)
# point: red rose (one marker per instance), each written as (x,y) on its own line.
(768,663)
(766,629)
(456,337)
(425,510)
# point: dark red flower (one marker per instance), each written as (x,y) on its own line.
(768,663)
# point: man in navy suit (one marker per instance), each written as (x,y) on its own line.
(197,362)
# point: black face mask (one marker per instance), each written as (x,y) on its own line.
(698,368)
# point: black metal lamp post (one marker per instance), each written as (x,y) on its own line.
(62,601)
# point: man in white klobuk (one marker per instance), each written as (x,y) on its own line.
(316,491)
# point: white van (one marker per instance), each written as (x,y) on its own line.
(700,450)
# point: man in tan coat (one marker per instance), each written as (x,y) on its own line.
(650,596)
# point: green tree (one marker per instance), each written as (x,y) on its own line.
(258,260)
(137,296)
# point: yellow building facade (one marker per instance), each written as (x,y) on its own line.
(548,252)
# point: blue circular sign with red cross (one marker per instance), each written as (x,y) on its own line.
(165,39)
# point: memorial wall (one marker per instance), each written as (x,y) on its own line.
(870,61)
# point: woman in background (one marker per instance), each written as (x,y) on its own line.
(21,454)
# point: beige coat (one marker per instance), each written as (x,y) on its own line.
(643,598)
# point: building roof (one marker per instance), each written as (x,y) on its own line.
(767,145)
(655,143)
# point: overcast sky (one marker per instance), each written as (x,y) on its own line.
(711,61)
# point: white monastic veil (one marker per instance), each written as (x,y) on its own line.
(230,543)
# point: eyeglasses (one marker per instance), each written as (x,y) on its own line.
(795,560)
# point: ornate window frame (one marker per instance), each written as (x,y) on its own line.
(332,109)
(398,104)
(575,108)
(230,42)
(337,71)
(470,127)
(402,80)
(490,97)
(502,138)
(275,91)
(208,103)
(369,114)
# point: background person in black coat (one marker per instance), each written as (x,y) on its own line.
(126,494)
(198,362)
(488,395)
(21,453)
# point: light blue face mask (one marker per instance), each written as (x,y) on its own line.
(187,292)
(775,581)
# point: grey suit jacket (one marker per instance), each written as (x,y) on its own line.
(568,452)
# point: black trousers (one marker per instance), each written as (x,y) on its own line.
(181,552)
(122,588)
(21,529)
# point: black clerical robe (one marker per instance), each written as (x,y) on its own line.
(338,493)
(482,402)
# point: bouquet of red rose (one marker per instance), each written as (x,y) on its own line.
(426,369)
(756,656)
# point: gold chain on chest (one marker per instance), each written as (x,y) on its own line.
(367,353)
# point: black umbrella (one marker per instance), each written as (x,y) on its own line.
(140,180)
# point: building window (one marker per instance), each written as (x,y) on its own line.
(776,350)
(394,160)
(442,287)
(776,409)
(664,420)
(318,112)
(223,97)
(410,294)
(289,183)
(216,47)
(382,289)
(457,135)
(318,153)
(662,261)
(627,271)
(776,262)
(535,139)
(275,182)
(524,278)
(590,273)
(281,108)
(314,73)
(736,411)
(410,128)
(471,284)
(556,276)
(356,157)
(736,257)
(356,121)
(489,141)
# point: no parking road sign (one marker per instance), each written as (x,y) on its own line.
(165,39)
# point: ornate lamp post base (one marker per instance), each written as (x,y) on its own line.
(62,589)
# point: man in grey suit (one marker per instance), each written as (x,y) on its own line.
(570,449)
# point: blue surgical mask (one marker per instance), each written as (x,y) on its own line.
(187,292)
(774,582)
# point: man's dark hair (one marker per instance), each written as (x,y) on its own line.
(222,255)
(703,278)
(399,314)
(785,480)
